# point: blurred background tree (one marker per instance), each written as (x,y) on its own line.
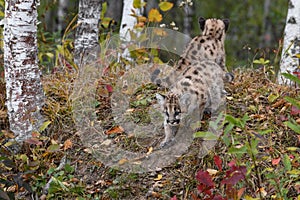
(256,27)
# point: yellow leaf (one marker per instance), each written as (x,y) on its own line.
(154,15)
(150,150)
(159,177)
(9,143)
(44,126)
(137,3)
(165,6)
(250,198)
(122,161)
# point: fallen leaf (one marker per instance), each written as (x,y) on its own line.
(295,110)
(109,88)
(53,148)
(68,144)
(33,141)
(156,195)
(87,150)
(250,198)
(272,97)
(276,161)
(150,150)
(8,134)
(74,180)
(212,171)
(44,126)
(35,134)
(263,192)
(174,198)
(258,116)
(204,178)
(240,193)
(279,103)
(122,161)
(115,130)
(159,177)
(218,162)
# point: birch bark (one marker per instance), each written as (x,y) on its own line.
(291,45)
(24,92)
(127,24)
(86,37)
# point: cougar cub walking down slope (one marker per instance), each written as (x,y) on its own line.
(197,81)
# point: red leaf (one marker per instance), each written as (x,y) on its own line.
(276,161)
(295,110)
(218,162)
(283,118)
(200,188)
(208,192)
(234,175)
(231,163)
(174,198)
(234,179)
(109,88)
(204,178)
(297,74)
(241,192)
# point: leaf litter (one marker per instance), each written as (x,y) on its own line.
(251,93)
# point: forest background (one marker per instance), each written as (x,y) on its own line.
(256,26)
(258,154)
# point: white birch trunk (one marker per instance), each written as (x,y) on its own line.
(127,24)
(291,45)
(86,42)
(24,92)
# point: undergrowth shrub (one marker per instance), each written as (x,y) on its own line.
(262,145)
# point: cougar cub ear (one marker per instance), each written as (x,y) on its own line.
(160,99)
(226,22)
(202,22)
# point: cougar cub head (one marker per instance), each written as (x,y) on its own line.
(171,107)
(214,27)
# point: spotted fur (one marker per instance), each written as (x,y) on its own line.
(200,86)
(207,46)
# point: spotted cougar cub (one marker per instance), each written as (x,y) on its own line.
(207,46)
(197,82)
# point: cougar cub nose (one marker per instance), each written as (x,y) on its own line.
(173,122)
